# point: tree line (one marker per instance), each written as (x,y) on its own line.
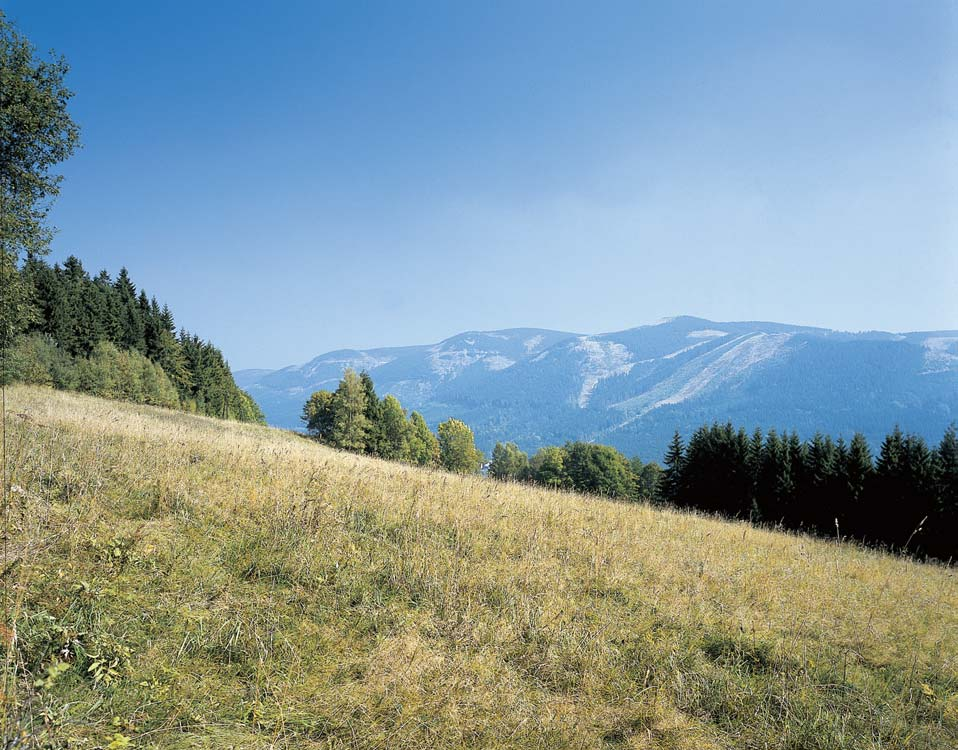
(354,418)
(905,498)
(101,336)
(579,466)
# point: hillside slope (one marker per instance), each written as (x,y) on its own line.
(176,581)
(632,389)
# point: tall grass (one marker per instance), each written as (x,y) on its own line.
(177,581)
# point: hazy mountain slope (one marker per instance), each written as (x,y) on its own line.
(414,374)
(633,388)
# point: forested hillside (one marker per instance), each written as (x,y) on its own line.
(102,336)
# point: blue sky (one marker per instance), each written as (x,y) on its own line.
(296,177)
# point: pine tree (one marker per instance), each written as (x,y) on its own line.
(374,429)
(132,334)
(944,532)
(859,470)
(166,320)
(888,490)
(775,482)
(754,462)
(816,490)
(153,329)
(919,503)
(110,308)
(671,488)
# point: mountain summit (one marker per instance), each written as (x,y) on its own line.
(633,388)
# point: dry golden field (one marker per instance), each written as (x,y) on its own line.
(176,581)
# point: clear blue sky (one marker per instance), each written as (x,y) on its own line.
(295,177)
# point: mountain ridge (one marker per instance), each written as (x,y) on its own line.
(633,388)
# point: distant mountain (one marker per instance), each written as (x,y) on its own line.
(633,388)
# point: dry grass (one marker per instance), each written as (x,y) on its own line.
(252,589)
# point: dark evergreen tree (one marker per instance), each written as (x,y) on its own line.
(859,469)
(132,334)
(919,502)
(756,446)
(817,485)
(374,438)
(943,531)
(671,484)
(887,490)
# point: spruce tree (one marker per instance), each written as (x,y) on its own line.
(818,504)
(373,412)
(671,488)
(919,503)
(944,531)
(887,490)
(859,470)
(754,462)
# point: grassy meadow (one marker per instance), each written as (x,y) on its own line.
(173,581)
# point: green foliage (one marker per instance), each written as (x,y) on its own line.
(17,311)
(318,414)
(393,430)
(99,337)
(350,424)
(36,359)
(598,470)
(647,479)
(372,411)
(547,467)
(422,447)
(346,420)
(670,487)
(108,372)
(457,447)
(508,462)
(36,134)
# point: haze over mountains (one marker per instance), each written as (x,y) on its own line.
(633,388)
